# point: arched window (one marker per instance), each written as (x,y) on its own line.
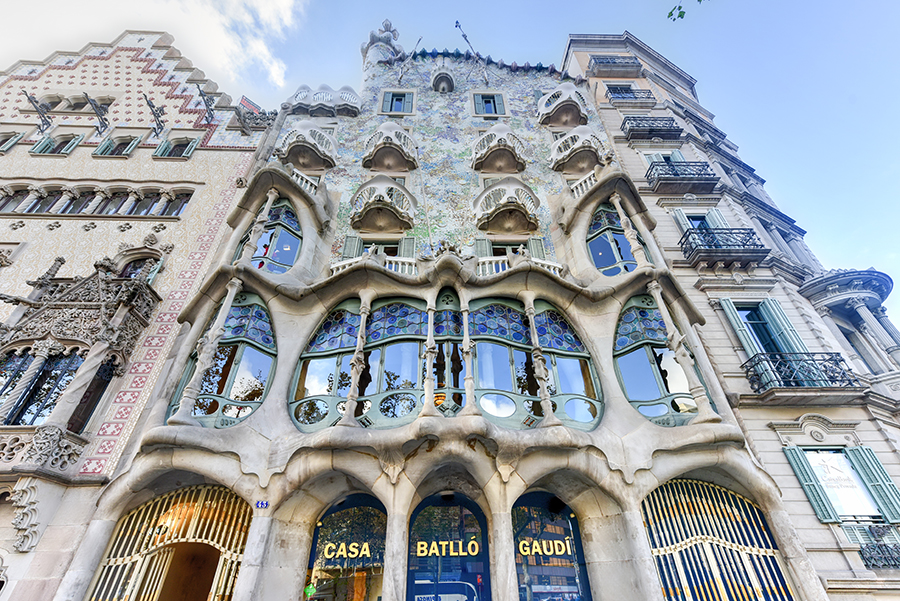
(391,386)
(38,402)
(92,396)
(187,544)
(133,268)
(236,383)
(279,246)
(710,543)
(653,381)
(347,559)
(549,557)
(448,550)
(12,368)
(607,245)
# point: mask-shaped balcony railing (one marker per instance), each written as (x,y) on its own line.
(789,370)
(308,147)
(305,182)
(381,204)
(647,128)
(682,176)
(509,206)
(565,106)
(325,102)
(578,151)
(390,148)
(499,150)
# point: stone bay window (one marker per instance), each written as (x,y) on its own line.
(278,245)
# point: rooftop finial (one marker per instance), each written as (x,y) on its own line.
(386,36)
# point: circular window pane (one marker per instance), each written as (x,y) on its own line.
(653,410)
(498,405)
(397,405)
(362,406)
(581,410)
(534,407)
(311,412)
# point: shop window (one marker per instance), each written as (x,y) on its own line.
(58,145)
(710,543)
(177,148)
(400,102)
(608,247)
(448,550)
(549,558)
(279,245)
(347,562)
(391,385)
(653,381)
(187,544)
(236,383)
(39,401)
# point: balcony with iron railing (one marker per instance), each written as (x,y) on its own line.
(610,65)
(681,177)
(630,97)
(306,146)
(499,150)
(578,151)
(508,207)
(381,204)
(647,128)
(390,148)
(801,377)
(565,106)
(722,245)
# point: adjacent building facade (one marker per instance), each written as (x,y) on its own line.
(477,331)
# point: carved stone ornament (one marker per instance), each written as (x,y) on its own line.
(5,253)
(125,227)
(54,225)
(25,499)
(159,227)
(51,448)
(88,226)
(813,429)
(16,224)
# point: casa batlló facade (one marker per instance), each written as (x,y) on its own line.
(476,331)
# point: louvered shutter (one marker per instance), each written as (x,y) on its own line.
(751,347)
(353,247)
(676,157)
(42,145)
(498,104)
(191,148)
(11,142)
(408,103)
(536,247)
(162,149)
(483,247)
(386,102)
(814,491)
(104,147)
(655,157)
(407,247)
(715,219)
(877,480)
(681,219)
(788,339)
(479,104)
(134,142)
(72,144)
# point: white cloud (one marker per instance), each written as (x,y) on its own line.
(230,40)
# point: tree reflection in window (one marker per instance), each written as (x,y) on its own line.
(234,386)
(35,406)
(279,245)
(607,246)
(653,381)
(11,370)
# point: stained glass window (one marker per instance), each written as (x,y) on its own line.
(638,324)
(554,332)
(338,331)
(396,319)
(250,322)
(500,321)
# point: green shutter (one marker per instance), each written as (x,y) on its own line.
(353,247)
(42,145)
(740,328)
(11,142)
(498,104)
(72,144)
(681,219)
(479,104)
(877,480)
(408,103)
(483,247)
(191,147)
(655,157)
(407,247)
(152,275)
(134,142)
(715,219)
(676,156)
(386,102)
(162,149)
(104,148)
(535,246)
(788,339)
(814,491)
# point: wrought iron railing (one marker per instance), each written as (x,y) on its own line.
(599,59)
(788,370)
(880,555)
(688,169)
(713,238)
(630,94)
(655,123)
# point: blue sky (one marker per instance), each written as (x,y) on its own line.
(805,89)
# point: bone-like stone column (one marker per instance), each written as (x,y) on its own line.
(637,249)
(206,351)
(504,583)
(357,363)
(675,342)
(429,408)
(42,350)
(541,373)
(248,579)
(259,225)
(468,346)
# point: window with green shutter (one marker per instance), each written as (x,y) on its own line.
(489,104)
(398,102)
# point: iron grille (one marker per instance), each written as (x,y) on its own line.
(787,370)
(687,169)
(658,123)
(880,555)
(598,59)
(713,238)
(631,94)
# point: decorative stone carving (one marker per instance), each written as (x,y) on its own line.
(12,446)
(814,429)
(5,253)
(51,448)
(248,120)
(16,224)
(386,36)
(159,227)
(308,147)
(53,225)
(25,499)
(89,226)
(125,227)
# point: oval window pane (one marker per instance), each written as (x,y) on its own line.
(673,376)
(311,412)
(574,375)
(493,366)
(653,410)
(498,405)
(316,377)
(397,405)
(252,376)
(236,411)
(601,252)
(581,410)
(286,248)
(362,406)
